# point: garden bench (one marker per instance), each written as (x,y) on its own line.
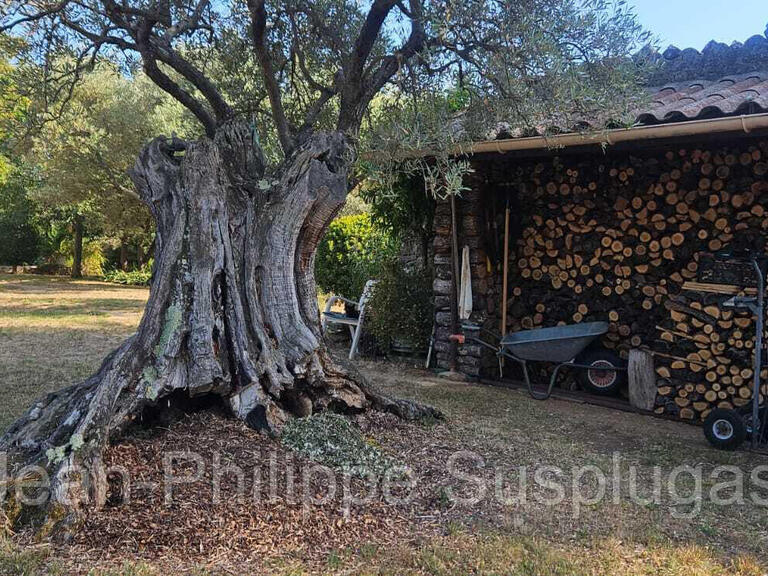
(354,323)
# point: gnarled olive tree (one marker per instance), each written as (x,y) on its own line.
(232,309)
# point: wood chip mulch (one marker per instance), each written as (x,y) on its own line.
(252,522)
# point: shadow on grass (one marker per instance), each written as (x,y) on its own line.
(44,285)
(90,307)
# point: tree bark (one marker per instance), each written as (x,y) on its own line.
(77,258)
(232,310)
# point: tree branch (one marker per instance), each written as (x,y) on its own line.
(143,27)
(369,33)
(167,55)
(27,18)
(377,78)
(186,24)
(367,81)
(185,98)
(259,35)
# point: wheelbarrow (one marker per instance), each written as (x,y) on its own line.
(600,371)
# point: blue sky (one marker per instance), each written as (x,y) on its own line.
(693,23)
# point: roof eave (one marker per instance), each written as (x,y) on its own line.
(735,124)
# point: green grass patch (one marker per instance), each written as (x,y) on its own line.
(18,561)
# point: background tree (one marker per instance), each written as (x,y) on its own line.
(14,108)
(20,238)
(19,244)
(233,308)
(85,153)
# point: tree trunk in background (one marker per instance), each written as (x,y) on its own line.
(232,310)
(139,255)
(123,256)
(77,260)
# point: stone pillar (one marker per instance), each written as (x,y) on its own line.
(470,233)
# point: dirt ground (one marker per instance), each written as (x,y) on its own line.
(503,485)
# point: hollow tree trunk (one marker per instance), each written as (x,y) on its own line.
(232,309)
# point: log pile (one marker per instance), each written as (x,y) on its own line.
(617,240)
(704,356)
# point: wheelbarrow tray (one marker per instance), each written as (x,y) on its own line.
(557,344)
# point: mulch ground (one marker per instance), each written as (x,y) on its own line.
(277,509)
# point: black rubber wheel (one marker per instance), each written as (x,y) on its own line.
(601,382)
(725,429)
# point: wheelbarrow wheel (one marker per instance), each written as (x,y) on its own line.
(602,382)
(725,429)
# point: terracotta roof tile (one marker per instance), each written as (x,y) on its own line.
(721,80)
(739,94)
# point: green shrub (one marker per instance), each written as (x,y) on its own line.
(93,256)
(352,251)
(140,277)
(401,307)
(58,254)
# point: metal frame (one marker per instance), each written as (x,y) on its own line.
(355,325)
(756,305)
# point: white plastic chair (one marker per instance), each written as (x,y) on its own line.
(355,324)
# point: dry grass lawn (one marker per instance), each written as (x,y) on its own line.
(54,332)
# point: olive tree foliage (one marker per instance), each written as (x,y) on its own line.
(525,68)
(14,107)
(18,233)
(18,229)
(294,66)
(283,91)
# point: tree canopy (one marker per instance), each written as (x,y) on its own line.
(17,212)
(294,66)
(17,219)
(13,108)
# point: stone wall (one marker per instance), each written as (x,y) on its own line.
(469,209)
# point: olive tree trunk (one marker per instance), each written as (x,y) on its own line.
(232,310)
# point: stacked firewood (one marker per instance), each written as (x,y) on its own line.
(704,355)
(627,242)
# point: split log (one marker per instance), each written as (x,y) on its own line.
(641,245)
(642,380)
